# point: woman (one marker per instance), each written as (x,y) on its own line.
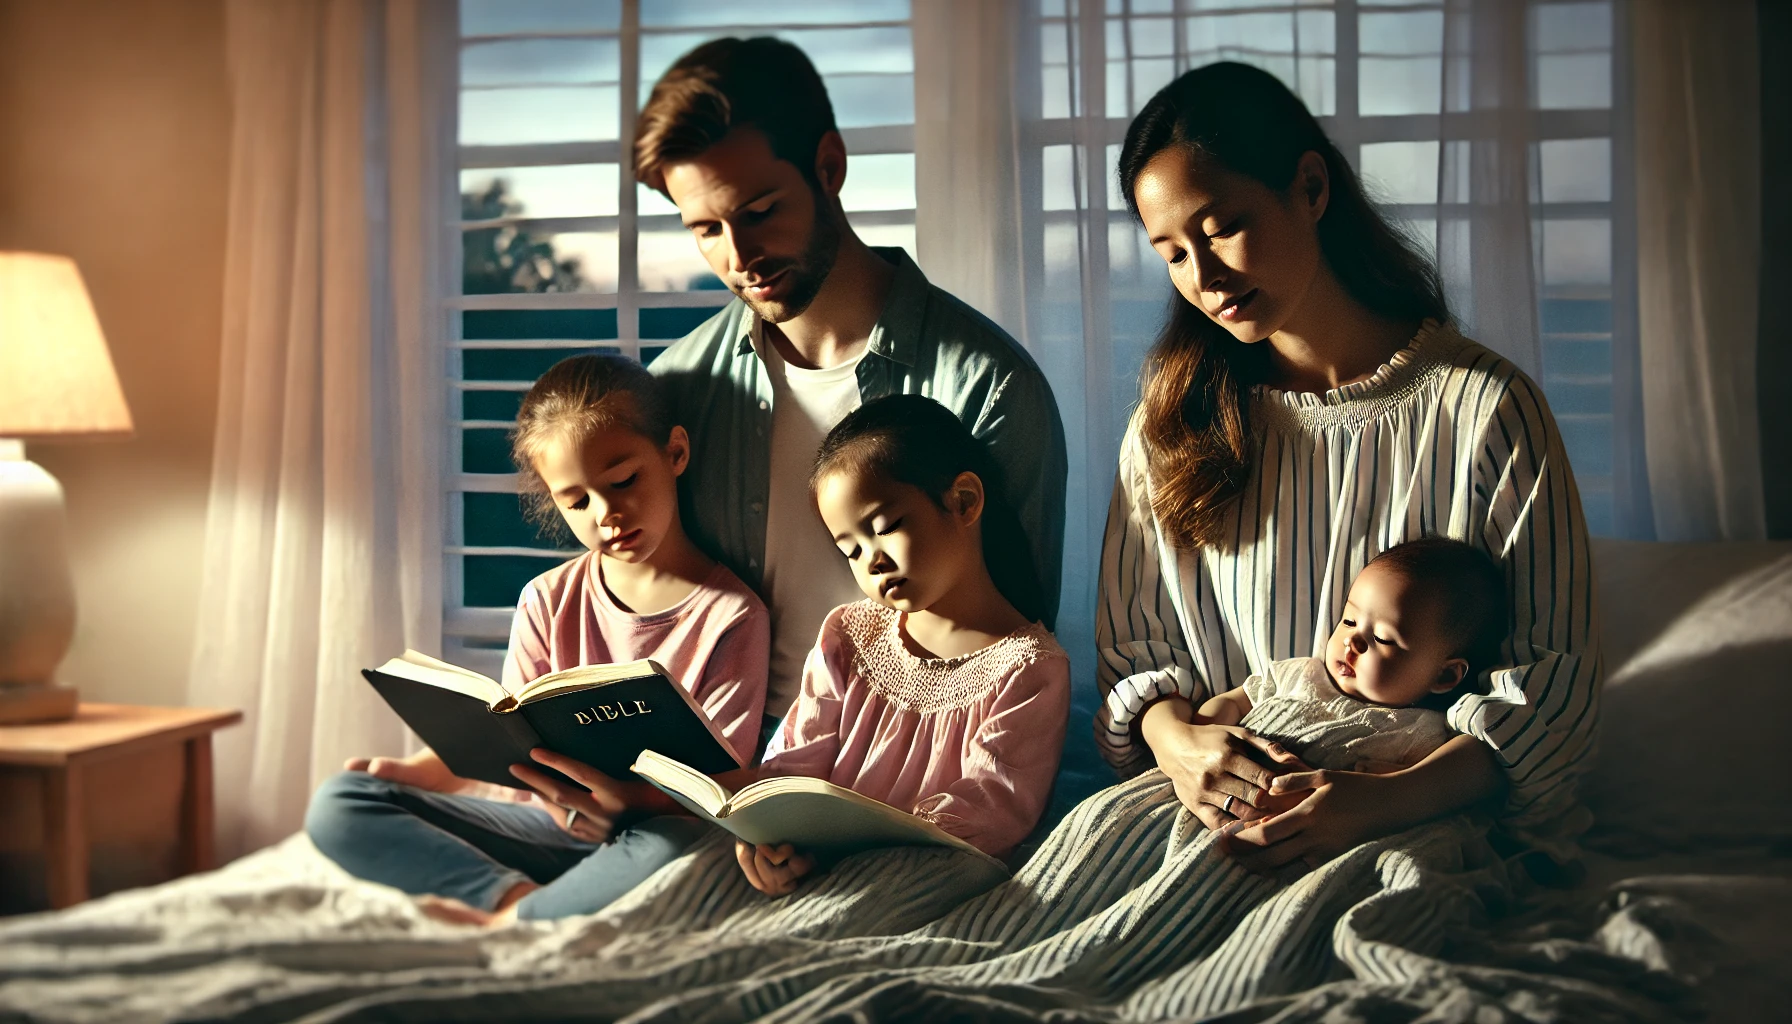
(1307,406)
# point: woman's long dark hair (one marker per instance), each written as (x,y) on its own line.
(915,440)
(1194,407)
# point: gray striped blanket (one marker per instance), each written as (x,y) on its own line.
(1126,912)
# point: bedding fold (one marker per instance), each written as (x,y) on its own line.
(1127,912)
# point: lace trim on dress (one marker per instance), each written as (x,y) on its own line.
(934,684)
(1405,374)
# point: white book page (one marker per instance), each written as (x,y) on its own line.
(584,677)
(685,784)
(435,672)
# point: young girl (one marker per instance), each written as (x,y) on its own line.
(941,694)
(596,448)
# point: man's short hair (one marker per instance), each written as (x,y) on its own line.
(729,83)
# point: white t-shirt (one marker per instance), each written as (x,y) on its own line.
(805,576)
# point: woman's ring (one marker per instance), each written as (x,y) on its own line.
(572,816)
(1227,806)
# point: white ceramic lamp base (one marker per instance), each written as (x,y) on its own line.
(37,591)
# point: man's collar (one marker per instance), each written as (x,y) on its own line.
(743,328)
(897,334)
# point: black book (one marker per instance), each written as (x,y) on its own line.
(603,715)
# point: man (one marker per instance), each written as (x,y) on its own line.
(740,135)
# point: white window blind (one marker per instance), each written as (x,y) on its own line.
(560,251)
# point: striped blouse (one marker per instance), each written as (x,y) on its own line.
(1445,438)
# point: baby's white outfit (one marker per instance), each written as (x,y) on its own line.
(1296,704)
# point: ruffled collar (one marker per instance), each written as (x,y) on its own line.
(882,658)
(1396,380)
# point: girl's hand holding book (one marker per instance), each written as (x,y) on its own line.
(597,804)
(773,870)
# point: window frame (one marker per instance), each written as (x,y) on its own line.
(475,635)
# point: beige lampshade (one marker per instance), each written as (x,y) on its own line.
(56,376)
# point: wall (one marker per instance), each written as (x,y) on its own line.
(1773,365)
(114,144)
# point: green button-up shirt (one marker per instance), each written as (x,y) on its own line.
(926,342)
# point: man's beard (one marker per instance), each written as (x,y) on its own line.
(808,272)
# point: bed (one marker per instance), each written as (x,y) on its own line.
(1682,914)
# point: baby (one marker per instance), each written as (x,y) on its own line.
(1421,619)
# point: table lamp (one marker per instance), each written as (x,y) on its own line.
(56,382)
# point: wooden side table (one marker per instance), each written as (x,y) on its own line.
(62,754)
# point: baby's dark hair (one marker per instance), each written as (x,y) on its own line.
(575,399)
(915,440)
(1468,587)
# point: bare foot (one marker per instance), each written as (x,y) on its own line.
(453,911)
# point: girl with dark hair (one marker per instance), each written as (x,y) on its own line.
(941,693)
(1308,405)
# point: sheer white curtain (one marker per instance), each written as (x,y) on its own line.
(1486,166)
(1698,191)
(323,536)
(970,153)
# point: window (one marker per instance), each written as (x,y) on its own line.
(561,252)
(1373,71)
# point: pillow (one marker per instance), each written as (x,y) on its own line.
(1694,724)
(1643,586)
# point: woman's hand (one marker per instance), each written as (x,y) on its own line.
(1222,773)
(773,870)
(597,804)
(1335,811)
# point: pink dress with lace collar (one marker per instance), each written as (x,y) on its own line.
(970,743)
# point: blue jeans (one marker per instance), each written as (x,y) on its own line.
(475,850)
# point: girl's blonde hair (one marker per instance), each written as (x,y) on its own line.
(576,398)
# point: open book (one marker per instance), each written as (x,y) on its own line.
(603,715)
(814,815)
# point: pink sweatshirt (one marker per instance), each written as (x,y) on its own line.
(716,642)
(970,743)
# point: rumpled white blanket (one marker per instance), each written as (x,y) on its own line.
(1127,912)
